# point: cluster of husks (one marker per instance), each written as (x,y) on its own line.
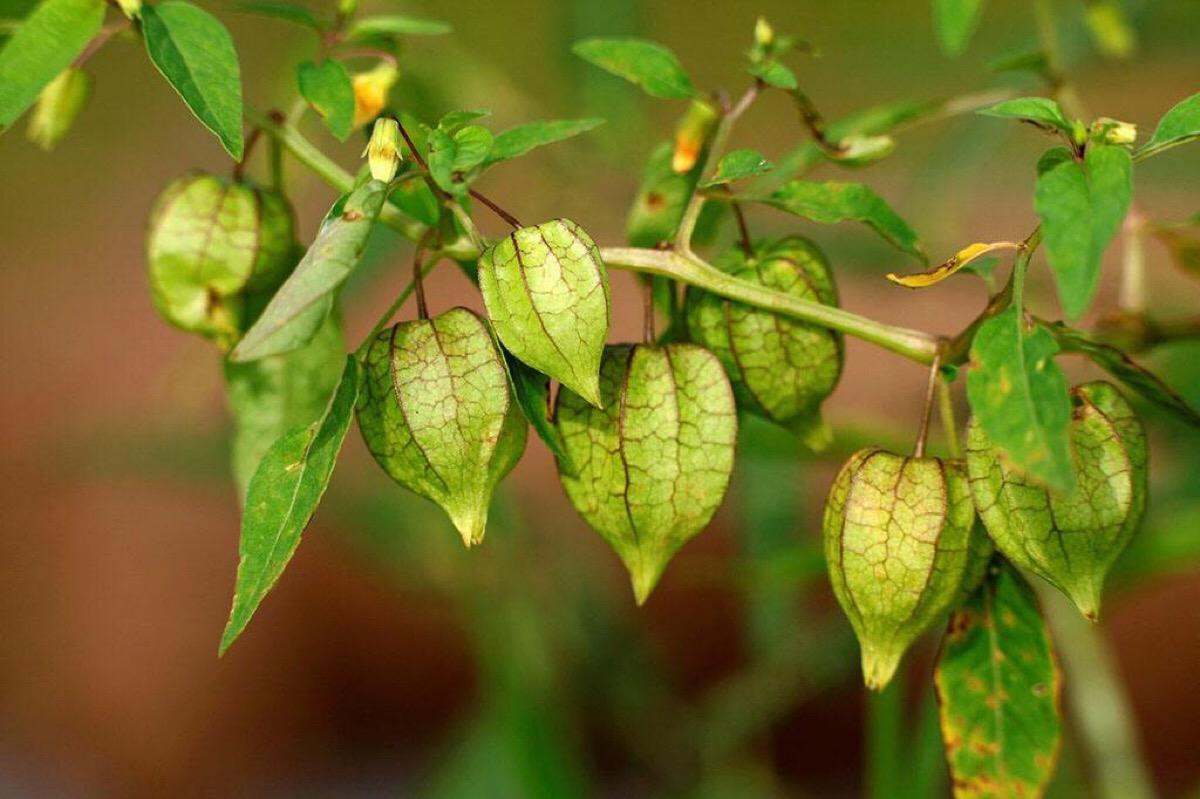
(904,549)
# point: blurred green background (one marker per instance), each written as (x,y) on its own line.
(390,661)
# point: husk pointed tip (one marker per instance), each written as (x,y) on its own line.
(471,525)
(879,666)
(1087,598)
(644,579)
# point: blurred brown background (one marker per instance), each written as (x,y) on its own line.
(389,661)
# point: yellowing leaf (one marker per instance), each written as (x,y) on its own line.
(919,280)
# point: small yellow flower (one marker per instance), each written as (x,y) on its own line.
(57,107)
(371,92)
(692,134)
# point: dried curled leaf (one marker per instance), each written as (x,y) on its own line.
(437,414)
(546,292)
(998,691)
(898,544)
(780,369)
(1071,539)
(210,241)
(651,466)
(966,255)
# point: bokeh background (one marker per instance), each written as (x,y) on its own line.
(389,661)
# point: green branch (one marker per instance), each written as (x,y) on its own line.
(686,268)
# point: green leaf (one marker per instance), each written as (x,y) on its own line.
(1128,371)
(654,464)
(270,396)
(328,89)
(647,64)
(471,147)
(194,52)
(1041,111)
(546,292)
(288,12)
(955,22)
(1069,538)
(452,121)
(738,164)
(1180,124)
(283,495)
(773,73)
(396,25)
(898,537)
(1081,207)
(531,389)
(840,202)
(437,414)
(1019,396)
(45,44)
(998,691)
(294,313)
(519,140)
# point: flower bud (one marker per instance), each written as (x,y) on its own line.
(764,34)
(57,107)
(437,414)
(1069,539)
(371,91)
(898,544)
(131,8)
(383,150)
(1114,131)
(211,243)
(780,368)
(692,134)
(652,466)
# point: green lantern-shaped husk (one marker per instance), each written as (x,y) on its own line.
(651,466)
(780,368)
(546,292)
(1070,539)
(437,414)
(898,541)
(211,243)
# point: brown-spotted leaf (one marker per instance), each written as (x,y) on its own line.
(998,692)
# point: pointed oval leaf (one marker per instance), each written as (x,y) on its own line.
(1041,111)
(288,12)
(437,414)
(955,22)
(283,495)
(1128,371)
(998,690)
(832,202)
(270,396)
(738,164)
(1179,125)
(328,89)
(1019,395)
(194,52)
(519,140)
(653,464)
(295,312)
(897,535)
(1070,538)
(647,64)
(45,44)
(546,292)
(1081,207)
(396,25)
